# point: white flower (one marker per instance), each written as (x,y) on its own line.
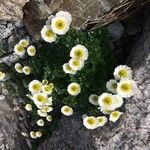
(93,99)
(66,110)
(47,109)
(60,25)
(38,134)
(33,135)
(31,50)
(65,14)
(28,107)
(105,111)
(118,101)
(122,71)
(19,50)
(40,99)
(49,118)
(49,101)
(114,116)
(126,88)
(79,52)
(90,122)
(111,85)
(102,120)
(68,69)
(107,101)
(24,43)
(18,68)
(26,70)
(47,34)
(35,86)
(41,113)
(76,64)
(2,75)
(40,122)
(74,89)
(48,89)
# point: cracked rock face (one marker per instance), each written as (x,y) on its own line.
(12,9)
(132,131)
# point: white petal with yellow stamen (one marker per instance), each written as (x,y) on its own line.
(18,68)
(114,116)
(60,25)
(93,99)
(68,69)
(40,99)
(111,85)
(40,122)
(47,89)
(47,34)
(2,75)
(28,107)
(38,134)
(105,111)
(74,89)
(90,122)
(49,118)
(26,70)
(66,110)
(76,64)
(106,101)
(79,52)
(65,14)
(19,50)
(35,86)
(122,71)
(126,88)
(31,50)
(46,109)
(24,43)
(102,120)
(41,113)
(33,135)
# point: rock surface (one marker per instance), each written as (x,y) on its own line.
(86,14)
(132,131)
(12,124)
(12,9)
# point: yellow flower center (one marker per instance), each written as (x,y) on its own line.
(27,70)
(79,53)
(36,87)
(49,33)
(40,98)
(100,120)
(107,100)
(51,86)
(20,49)
(114,85)
(19,68)
(60,24)
(23,43)
(66,109)
(126,87)
(91,121)
(68,68)
(95,98)
(115,114)
(123,73)
(47,88)
(76,63)
(74,88)
(32,50)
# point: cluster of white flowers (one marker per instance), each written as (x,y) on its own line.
(20,69)
(2,75)
(122,87)
(56,25)
(78,54)
(21,47)
(41,96)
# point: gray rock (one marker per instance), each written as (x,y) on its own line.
(130,132)
(115,30)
